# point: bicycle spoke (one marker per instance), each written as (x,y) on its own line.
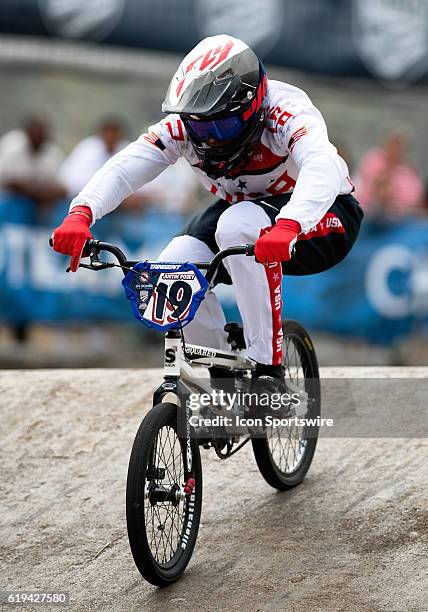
(164,520)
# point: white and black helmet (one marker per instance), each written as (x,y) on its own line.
(219,90)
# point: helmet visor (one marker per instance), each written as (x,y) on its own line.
(220,130)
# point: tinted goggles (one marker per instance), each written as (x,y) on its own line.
(219,129)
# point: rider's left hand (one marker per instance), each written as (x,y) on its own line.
(277,242)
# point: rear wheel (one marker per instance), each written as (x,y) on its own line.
(163,499)
(284,454)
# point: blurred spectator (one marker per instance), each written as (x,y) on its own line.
(29,166)
(174,190)
(29,163)
(386,183)
(91,153)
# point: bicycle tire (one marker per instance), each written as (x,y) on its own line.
(263,454)
(141,461)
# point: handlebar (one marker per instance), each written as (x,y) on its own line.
(93,248)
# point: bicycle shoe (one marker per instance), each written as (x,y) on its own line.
(272,395)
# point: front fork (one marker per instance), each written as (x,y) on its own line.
(173,355)
(171,367)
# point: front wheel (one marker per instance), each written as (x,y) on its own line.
(163,497)
(284,454)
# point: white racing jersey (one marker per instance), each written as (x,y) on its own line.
(294,155)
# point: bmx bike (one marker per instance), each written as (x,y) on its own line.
(164,484)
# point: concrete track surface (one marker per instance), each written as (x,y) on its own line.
(351,537)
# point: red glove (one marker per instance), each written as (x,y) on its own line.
(70,237)
(276,243)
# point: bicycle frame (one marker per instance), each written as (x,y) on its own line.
(179,361)
(164,484)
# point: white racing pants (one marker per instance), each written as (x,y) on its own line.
(257,287)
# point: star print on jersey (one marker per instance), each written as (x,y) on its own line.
(242,184)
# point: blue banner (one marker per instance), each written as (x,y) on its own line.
(379,293)
(33,284)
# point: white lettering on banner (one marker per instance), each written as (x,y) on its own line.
(14,241)
(414,299)
(46,271)
(27,262)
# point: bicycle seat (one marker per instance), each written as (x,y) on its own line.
(235,336)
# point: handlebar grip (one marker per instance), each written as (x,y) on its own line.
(87,248)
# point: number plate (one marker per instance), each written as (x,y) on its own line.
(164,294)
